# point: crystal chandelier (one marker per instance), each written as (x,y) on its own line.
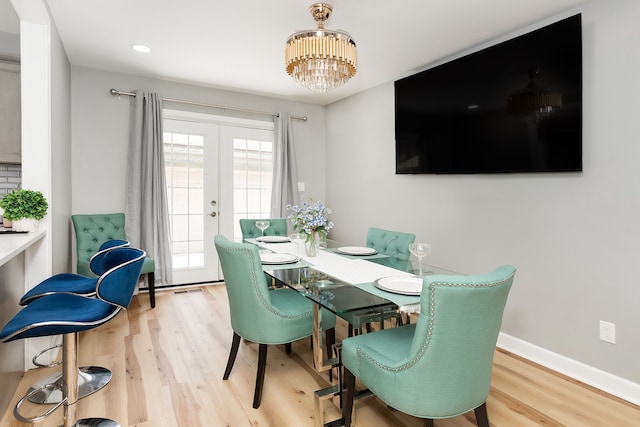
(321,60)
(533,101)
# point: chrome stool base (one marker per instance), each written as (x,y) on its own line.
(95,422)
(90,380)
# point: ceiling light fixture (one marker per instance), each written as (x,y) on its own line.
(533,101)
(141,48)
(321,60)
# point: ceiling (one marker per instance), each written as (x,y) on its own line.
(239,45)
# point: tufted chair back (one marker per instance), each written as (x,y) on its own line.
(392,243)
(91,232)
(277,227)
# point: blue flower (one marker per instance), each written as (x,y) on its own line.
(310,217)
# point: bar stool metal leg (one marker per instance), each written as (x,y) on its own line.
(70,387)
(70,379)
(49,390)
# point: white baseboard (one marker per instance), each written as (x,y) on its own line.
(604,381)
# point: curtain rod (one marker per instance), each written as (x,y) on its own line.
(201,104)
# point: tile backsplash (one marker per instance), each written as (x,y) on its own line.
(10,178)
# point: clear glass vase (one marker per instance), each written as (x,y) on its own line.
(312,244)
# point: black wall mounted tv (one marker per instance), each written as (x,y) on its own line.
(512,107)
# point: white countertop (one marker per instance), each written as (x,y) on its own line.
(13,244)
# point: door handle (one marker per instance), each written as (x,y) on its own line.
(213,214)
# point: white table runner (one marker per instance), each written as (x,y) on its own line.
(346,269)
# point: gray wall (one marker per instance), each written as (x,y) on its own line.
(9,45)
(573,236)
(100,129)
(60,202)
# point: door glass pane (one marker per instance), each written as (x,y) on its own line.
(253,178)
(184,163)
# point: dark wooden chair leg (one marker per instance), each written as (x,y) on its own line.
(287,348)
(428,422)
(481,415)
(353,331)
(232,355)
(347,403)
(151,278)
(262,364)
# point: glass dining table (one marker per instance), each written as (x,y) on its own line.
(346,286)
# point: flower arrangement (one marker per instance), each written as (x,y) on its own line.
(310,217)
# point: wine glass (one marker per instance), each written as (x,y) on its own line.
(420,250)
(297,238)
(262,225)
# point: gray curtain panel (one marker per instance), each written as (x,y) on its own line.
(146,209)
(285,175)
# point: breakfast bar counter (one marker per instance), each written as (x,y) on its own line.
(12,243)
(12,286)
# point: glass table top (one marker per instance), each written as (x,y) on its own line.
(331,293)
(341,297)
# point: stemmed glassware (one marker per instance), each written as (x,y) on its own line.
(262,225)
(298,239)
(420,250)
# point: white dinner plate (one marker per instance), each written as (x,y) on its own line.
(278,258)
(400,285)
(273,239)
(356,250)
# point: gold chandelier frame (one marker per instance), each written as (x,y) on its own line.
(321,59)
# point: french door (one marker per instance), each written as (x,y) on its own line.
(191,157)
(213,179)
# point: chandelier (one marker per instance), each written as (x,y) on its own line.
(320,59)
(533,101)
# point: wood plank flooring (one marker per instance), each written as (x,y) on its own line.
(168,363)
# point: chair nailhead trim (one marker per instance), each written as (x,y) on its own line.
(432,306)
(254,284)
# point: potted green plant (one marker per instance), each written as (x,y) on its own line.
(24,208)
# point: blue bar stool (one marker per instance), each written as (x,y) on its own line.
(90,378)
(67,314)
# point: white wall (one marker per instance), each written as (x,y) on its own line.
(572,236)
(100,129)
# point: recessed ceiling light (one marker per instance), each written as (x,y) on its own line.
(141,48)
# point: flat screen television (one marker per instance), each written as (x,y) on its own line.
(512,107)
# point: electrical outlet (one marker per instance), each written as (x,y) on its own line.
(608,332)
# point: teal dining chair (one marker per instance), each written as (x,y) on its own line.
(439,367)
(92,231)
(261,315)
(277,227)
(395,244)
(392,243)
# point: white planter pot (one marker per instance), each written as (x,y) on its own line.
(26,224)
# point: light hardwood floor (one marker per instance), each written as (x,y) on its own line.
(168,363)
